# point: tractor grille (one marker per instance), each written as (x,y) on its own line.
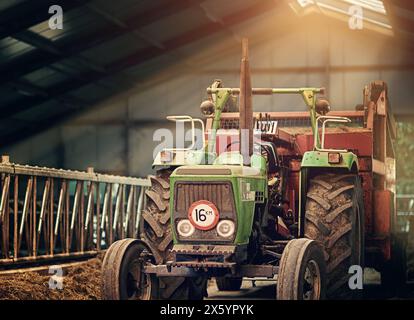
(219,193)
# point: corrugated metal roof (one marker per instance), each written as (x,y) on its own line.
(106,46)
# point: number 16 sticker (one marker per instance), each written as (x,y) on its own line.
(203,215)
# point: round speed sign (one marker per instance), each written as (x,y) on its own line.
(203,215)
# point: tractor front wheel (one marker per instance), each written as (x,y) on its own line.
(155,229)
(123,276)
(302,271)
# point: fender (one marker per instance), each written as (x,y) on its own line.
(319,159)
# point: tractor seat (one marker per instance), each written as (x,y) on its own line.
(269,151)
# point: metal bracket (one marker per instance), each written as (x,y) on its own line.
(192,120)
(327,119)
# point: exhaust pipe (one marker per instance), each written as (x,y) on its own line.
(245,106)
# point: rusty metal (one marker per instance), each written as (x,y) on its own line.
(253,271)
(204,264)
(371,137)
(163,270)
(50,214)
(246,106)
(203,250)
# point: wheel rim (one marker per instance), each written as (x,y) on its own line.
(311,281)
(138,283)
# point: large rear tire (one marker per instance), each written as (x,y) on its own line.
(228,284)
(302,271)
(334,217)
(123,276)
(155,229)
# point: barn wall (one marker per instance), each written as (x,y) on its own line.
(117,135)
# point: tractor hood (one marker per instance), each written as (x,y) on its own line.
(217,170)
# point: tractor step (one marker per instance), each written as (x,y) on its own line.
(205,250)
(202,264)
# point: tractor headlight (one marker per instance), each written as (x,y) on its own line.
(185,228)
(225,228)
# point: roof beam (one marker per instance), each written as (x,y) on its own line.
(195,34)
(26,88)
(402,26)
(405,4)
(139,57)
(118,23)
(29,13)
(38,58)
(140,35)
(42,43)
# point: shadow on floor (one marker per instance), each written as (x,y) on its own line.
(264,291)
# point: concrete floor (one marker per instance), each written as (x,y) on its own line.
(266,290)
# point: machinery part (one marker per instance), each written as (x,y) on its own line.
(155,226)
(197,288)
(123,276)
(228,284)
(157,233)
(322,106)
(334,217)
(207,108)
(245,106)
(302,271)
(181,288)
(394,272)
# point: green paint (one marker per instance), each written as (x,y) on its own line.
(221,100)
(319,159)
(308,95)
(254,175)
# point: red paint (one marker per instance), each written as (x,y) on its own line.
(215,211)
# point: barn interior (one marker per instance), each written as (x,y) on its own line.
(93,92)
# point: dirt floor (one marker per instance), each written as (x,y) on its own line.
(80,282)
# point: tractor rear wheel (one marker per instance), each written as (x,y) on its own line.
(155,229)
(302,271)
(334,217)
(123,276)
(228,284)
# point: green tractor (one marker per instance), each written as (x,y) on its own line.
(250,203)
